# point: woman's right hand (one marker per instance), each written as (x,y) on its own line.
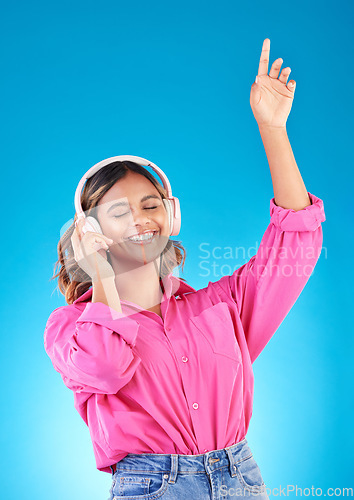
(90,252)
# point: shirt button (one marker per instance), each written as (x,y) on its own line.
(205,450)
(184,359)
(195,406)
(168,328)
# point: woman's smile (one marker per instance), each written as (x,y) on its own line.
(146,238)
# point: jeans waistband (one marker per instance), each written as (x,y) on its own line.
(173,463)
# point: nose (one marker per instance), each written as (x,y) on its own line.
(140,217)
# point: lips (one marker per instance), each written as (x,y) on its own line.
(145,237)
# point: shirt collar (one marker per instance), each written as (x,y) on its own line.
(172,284)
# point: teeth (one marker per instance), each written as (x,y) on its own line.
(143,237)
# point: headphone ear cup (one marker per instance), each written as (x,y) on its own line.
(169,213)
(92,224)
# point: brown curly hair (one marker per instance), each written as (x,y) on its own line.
(72,280)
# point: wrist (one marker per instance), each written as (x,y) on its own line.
(105,291)
(271,128)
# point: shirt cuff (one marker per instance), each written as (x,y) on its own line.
(101,314)
(307,219)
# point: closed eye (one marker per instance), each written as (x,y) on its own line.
(146,208)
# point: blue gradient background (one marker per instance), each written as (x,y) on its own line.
(171,82)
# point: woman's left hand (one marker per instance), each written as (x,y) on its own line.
(271,97)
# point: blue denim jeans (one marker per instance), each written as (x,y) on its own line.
(230,472)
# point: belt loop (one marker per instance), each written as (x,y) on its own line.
(174,468)
(111,466)
(232,462)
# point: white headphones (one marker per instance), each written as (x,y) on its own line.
(171,202)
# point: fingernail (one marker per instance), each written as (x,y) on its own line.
(256,79)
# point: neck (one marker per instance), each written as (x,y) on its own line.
(141,285)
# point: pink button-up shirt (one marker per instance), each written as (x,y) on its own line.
(183,383)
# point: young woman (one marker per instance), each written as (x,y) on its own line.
(161,372)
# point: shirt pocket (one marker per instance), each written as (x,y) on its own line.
(216,326)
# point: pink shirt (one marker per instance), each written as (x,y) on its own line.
(183,384)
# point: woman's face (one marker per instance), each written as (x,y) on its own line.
(133,206)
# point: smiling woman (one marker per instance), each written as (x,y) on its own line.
(164,379)
(126,200)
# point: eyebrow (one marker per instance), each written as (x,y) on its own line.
(124,203)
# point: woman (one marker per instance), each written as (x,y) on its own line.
(162,373)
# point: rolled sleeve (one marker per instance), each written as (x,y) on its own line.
(307,219)
(101,314)
(267,286)
(92,352)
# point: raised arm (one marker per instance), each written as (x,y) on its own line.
(271,101)
(267,286)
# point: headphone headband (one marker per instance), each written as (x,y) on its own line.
(172,203)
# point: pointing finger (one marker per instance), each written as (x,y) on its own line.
(264,59)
